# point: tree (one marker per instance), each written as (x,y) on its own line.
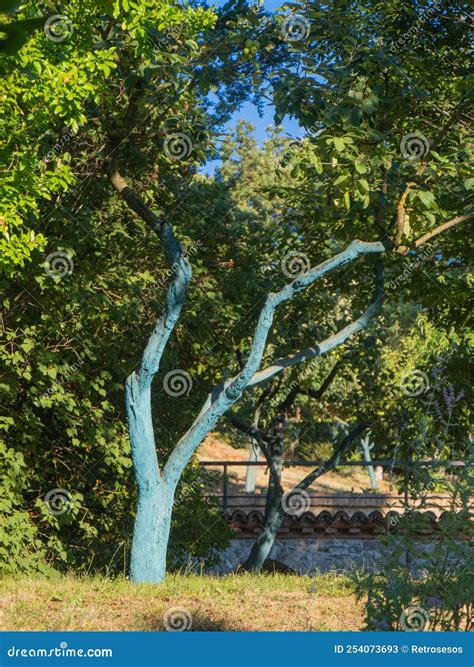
(156,484)
(353,181)
(272,442)
(55,374)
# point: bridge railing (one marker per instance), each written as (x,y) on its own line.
(403,465)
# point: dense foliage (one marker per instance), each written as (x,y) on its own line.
(385,155)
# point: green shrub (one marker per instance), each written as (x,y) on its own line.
(20,548)
(424,584)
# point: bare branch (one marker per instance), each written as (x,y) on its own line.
(246,428)
(317,393)
(240,359)
(402,250)
(225,395)
(178,264)
(335,458)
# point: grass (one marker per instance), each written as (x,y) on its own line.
(237,602)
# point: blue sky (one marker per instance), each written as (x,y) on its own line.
(249,111)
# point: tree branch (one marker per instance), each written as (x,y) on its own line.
(296,390)
(246,428)
(335,458)
(329,343)
(289,399)
(400,213)
(317,393)
(225,395)
(132,198)
(138,383)
(178,264)
(262,437)
(240,359)
(402,250)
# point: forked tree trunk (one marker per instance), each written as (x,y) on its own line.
(156,487)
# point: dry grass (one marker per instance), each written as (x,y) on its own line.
(234,603)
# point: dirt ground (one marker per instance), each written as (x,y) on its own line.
(354,480)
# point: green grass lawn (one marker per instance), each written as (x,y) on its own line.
(238,602)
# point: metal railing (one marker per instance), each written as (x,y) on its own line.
(403,465)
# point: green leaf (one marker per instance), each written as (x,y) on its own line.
(28,344)
(426,197)
(360,166)
(341,179)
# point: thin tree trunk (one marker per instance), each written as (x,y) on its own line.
(274,512)
(366,447)
(251,474)
(265,541)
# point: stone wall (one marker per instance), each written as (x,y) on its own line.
(306,556)
(337,540)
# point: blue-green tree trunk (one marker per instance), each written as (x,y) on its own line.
(156,486)
(155,494)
